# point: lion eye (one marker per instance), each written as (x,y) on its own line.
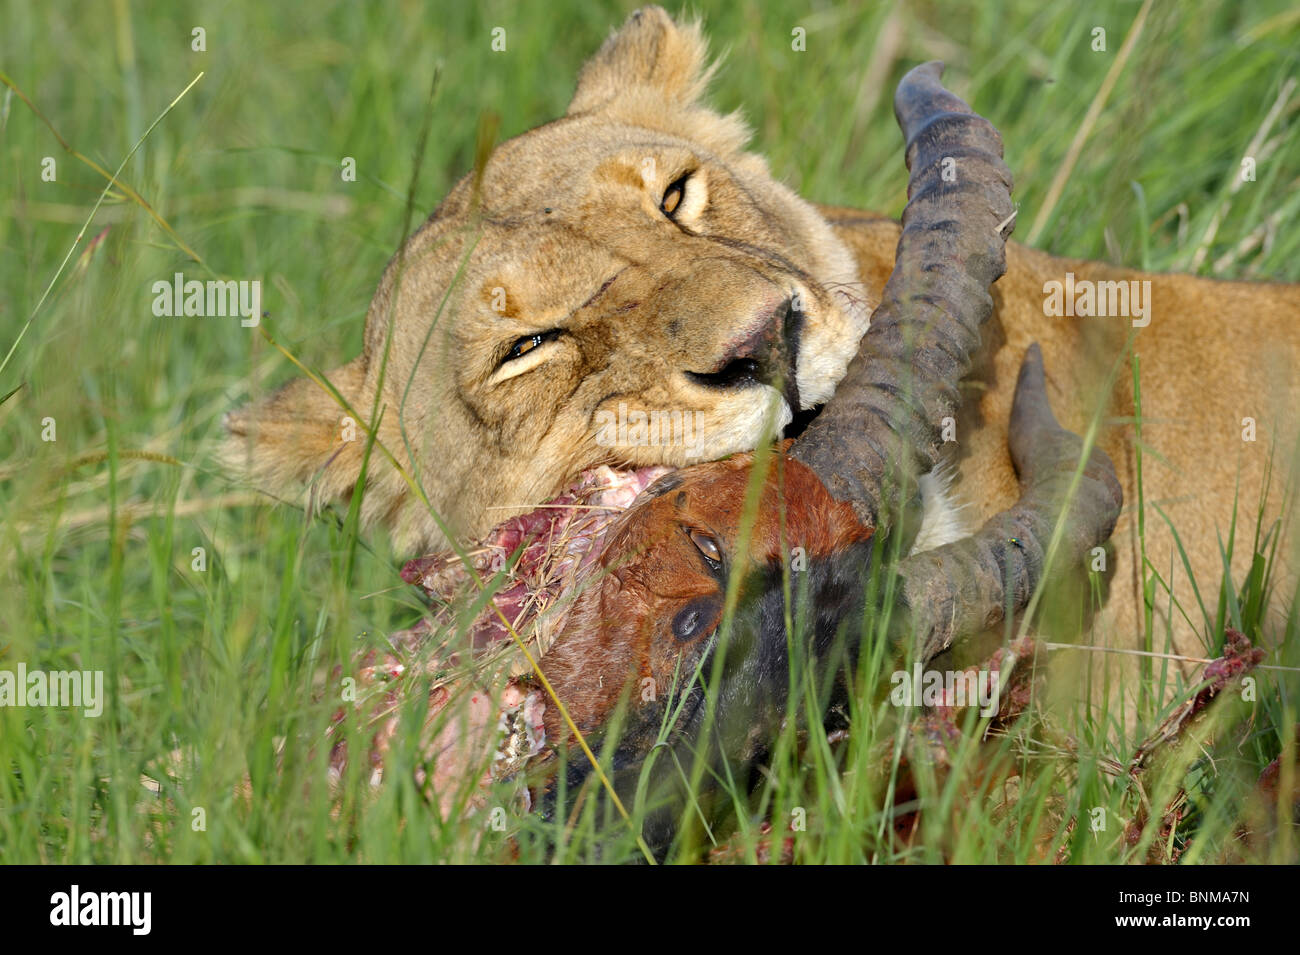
(708,546)
(526,344)
(673,196)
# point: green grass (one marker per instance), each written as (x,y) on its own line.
(97,567)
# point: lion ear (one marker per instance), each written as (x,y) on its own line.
(651,52)
(300,434)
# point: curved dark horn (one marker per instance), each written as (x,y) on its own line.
(887,413)
(970,585)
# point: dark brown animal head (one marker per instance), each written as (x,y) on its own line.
(657,595)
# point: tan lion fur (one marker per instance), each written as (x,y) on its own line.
(564,231)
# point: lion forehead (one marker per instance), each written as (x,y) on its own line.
(532,277)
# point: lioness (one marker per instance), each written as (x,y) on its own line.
(632,258)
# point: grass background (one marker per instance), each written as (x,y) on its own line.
(99,526)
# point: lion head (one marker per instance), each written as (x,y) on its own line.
(626,285)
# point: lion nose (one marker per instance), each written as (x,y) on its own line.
(766,353)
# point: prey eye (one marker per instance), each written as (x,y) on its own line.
(697,619)
(526,344)
(708,547)
(673,197)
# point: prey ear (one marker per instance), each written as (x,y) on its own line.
(650,54)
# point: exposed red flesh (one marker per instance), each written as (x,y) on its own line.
(560,540)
